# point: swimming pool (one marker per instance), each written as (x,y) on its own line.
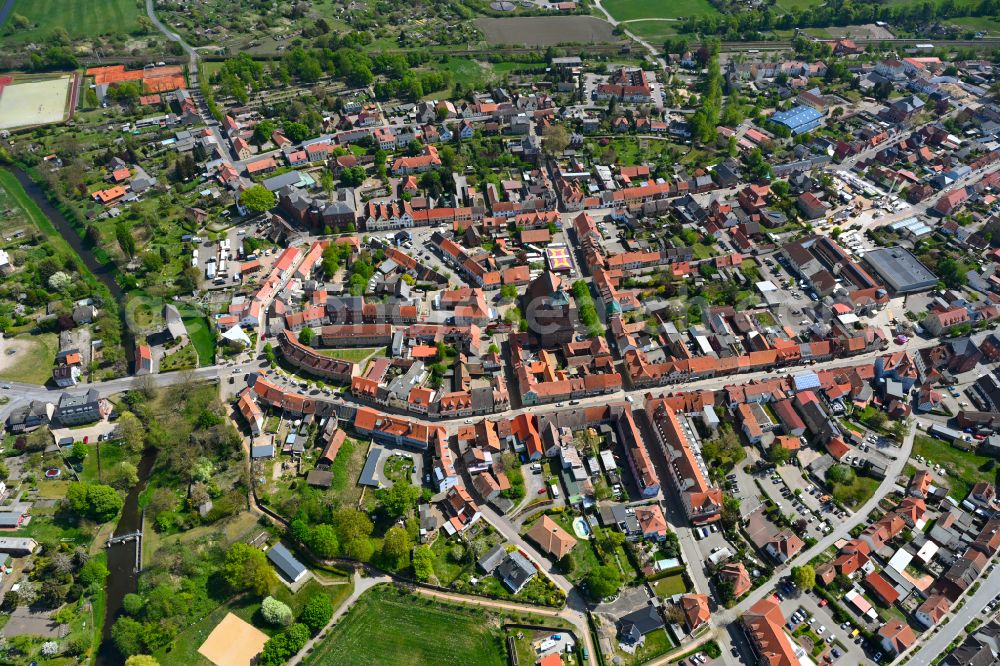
(581,527)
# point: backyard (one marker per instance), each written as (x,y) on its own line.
(358,355)
(390,627)
(28,359)
(855,492)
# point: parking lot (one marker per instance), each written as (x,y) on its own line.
(805,609)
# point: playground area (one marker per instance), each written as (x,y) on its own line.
(34,102)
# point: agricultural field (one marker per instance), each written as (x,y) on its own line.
(390,628)
(82,19)
(632,10)
(546,30)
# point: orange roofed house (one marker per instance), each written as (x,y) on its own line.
(702,502)
(765,627)
(551,539)
(395,430)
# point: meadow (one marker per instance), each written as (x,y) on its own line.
(82,19)
(392,628)
(631,10)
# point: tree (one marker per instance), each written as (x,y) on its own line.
(306,336)
(276,613)
(257,199)
(352,524)
(79,451)
(245,568)
(317,612)
(123,234)
(397,500)
(396,546)
(96,501)
(555,139)
(323,541)
(567,563)
(603,581)
(423,563)
(127,635)
(877,419)
(804,576)
(125,475)
(131,431)
(93,572)
(360,549)
(263,130)
(840,474)
(141,659)
(778,454)
(59,281)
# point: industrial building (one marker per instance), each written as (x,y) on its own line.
(798,119)
(900,271)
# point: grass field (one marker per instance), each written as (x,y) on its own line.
(788,5)
(630,10)
(111,455)
(671,585)
(200,332)
(33,361)
(856,492)
(990,26)
(964,468)
(389,628)
(357,355)
(654,32)
(81,18)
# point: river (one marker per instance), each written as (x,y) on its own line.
(121,557)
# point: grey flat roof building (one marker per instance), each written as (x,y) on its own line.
(901,271)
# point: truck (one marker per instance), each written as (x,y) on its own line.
(554,488)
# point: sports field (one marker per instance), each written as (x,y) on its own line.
(34,102)
(631,10)
(80,18)
(392,628)
(234,642)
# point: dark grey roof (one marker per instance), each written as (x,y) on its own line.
(287,179)
(492,559)
(900,269)
(515,571)
(262,451)
(10,519)
(646,619)
(368,472)
(285,562)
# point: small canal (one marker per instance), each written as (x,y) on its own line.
(122,557)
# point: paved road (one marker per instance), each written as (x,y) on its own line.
(724,617)
(192,54)
(576,606)
(939,642)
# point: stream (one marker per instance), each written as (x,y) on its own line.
(123,577)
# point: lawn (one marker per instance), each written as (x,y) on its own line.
(203,338)
(630,10)
(33,361)
(789,5)
(656,643)
(184,358)
(465,71)
(358,355)
(388,627)
(670,585)
(655,32)
(990,26)
(856,492)
(81,18)
(963,468)
(111,455)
